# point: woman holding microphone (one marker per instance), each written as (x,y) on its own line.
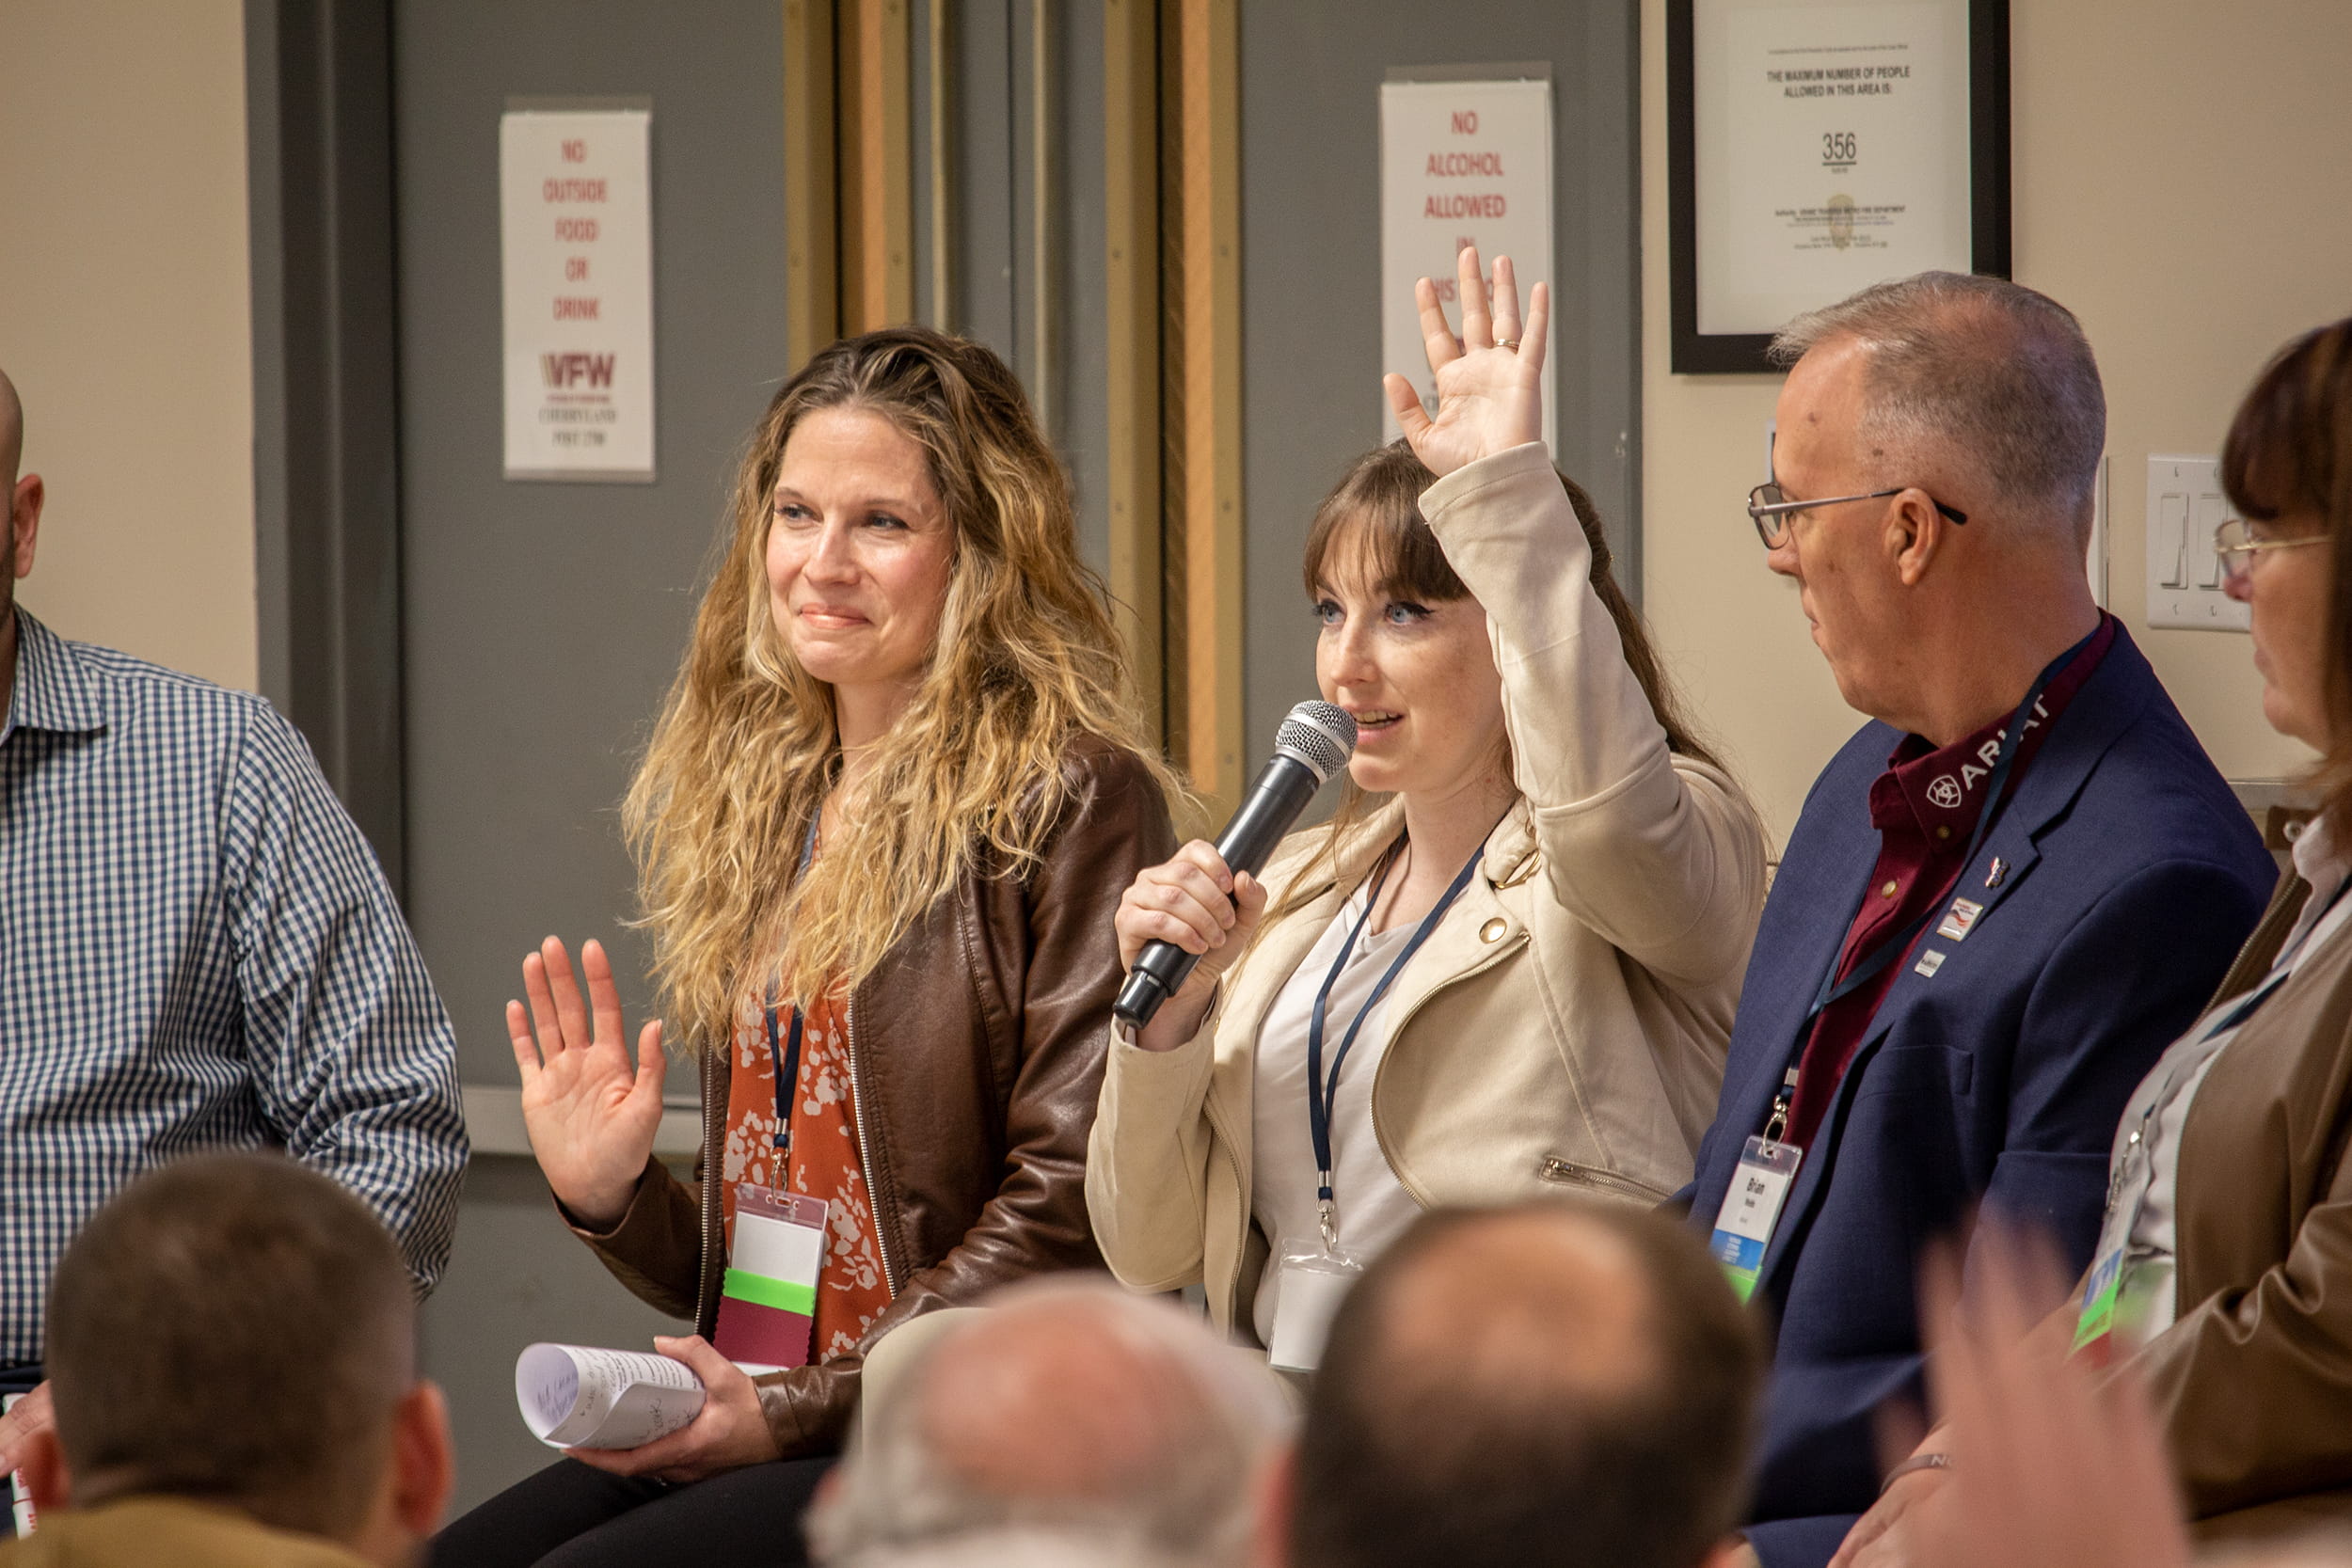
(882,828)
(1514,976)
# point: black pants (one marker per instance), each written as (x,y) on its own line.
(570,1516)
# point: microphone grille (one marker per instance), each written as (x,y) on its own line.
(1320,735)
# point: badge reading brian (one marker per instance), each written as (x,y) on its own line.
(1959,919)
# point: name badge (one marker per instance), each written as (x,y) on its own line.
(768,1298)
(2095,1329)
(1744,1229)
(1308,1289)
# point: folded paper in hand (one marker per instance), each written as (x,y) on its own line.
(575,1397)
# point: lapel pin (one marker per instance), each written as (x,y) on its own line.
(2000,869)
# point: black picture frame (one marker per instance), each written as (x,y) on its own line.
(1695,352)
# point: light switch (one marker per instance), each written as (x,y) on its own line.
(2204,519)
(2185,581)
(2171,543)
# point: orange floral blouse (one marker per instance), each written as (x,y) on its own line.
(851,1290)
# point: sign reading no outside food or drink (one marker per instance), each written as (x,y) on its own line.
(1462,162)
(576,255)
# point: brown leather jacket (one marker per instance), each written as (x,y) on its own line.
(2253,1380)
(975,1054)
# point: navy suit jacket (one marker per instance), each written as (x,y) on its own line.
(2133,875)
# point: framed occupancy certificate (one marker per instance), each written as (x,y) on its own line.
(1816,148)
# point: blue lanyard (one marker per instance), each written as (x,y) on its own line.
(2280,973)
(1832,989)
(788,1059)
(1323,1090)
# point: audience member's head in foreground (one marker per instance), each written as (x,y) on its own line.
(237,1332)
(1038,1549)
(1070,1408)
(1560,1384)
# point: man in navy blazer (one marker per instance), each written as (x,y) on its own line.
(1979,942)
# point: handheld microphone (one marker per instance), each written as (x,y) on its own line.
(1313,743)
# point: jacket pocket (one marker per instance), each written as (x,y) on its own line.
(1567,1173)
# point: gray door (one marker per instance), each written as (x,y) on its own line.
(543,622)
(1311,79)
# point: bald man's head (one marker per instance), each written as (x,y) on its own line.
(1558,1382)
(1071,1404)
(12,433)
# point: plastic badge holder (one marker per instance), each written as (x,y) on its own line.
(1309,1288)
(767,1297)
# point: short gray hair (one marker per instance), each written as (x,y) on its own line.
(1019,1548)
(1175,1483)
(1993,373)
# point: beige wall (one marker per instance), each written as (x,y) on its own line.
(2179,182)
(125,320)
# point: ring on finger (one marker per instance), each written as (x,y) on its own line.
(1511,343)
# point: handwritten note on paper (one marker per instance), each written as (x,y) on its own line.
(576,1397)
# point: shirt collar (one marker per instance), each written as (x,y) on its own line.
(54,690)
(1940,791)
(2319,859)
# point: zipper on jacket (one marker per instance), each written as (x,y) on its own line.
(864,1163)
(1569,1174)
(714,1171)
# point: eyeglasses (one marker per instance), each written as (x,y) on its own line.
(2235,543)
(1769,508)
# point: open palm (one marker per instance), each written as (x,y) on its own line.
(590,1113)
(1490,395)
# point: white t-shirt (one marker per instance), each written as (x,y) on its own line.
(1374,1207)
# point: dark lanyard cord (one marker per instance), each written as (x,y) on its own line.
(2252,1003)
(1323,1090)
(788,1059)
(1832,989)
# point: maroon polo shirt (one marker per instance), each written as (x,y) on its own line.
(1924,806)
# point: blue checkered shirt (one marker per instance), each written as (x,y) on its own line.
(197,950)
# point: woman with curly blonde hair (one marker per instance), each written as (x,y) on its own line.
(881,829)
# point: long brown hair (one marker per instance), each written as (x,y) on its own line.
(1025,660)
(1376,510)
(2290,450)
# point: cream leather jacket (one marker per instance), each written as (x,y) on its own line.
(1564,1028)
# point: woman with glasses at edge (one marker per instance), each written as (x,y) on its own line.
(1585,878)
(2223,1273)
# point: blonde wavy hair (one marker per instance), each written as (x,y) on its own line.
(972,773)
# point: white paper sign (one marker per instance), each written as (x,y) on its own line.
(577,1397)
(1833,153)
(575,251)
(1461,163)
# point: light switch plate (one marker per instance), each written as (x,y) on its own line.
(2185,506)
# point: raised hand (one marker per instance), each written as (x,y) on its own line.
(1490,391)
(1205,907)
(590,1113)
(2055,1462)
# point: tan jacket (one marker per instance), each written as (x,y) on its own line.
(144,1532)
(2253,1380)
(1564,1028)
(976,1055)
